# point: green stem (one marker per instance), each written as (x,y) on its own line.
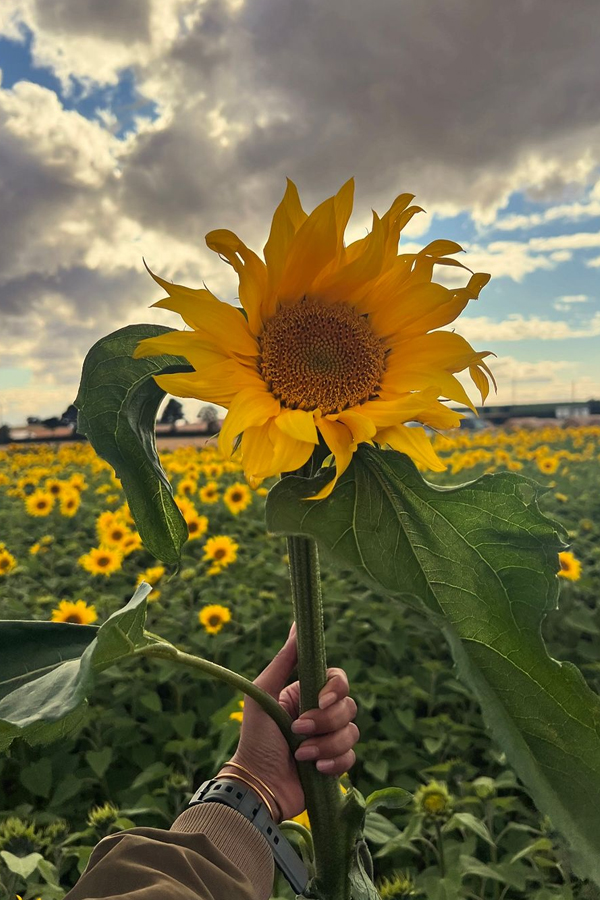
(440,844)
(164,650)
(322,792)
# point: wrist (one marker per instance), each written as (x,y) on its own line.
(256,784)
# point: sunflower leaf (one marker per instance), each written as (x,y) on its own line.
(481,560)
(117,401)
(47,669)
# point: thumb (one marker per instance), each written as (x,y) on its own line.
(276,675)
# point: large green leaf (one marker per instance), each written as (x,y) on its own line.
(481,560)
(117,401)
(47,669)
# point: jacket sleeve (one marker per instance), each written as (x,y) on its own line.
(211,852)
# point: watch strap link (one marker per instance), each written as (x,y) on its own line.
(246,802)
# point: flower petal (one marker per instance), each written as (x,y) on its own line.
(218,383)
(298,424)
(209,316)
(287,219)
(338,438)
(249,408)
(313,247)
(250,268)
(350,280)
(289,453)
(414,442)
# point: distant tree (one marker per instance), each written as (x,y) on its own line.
(209,416)
(172,413)
(69,417)
(51,423)
(34,420)
(4,434)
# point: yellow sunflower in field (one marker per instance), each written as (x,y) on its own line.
(570,567)
(209,493)
(337,342)
(548,464)
(221,550)
(70,501)
(79,612)
(7,561)
(213,617)
(101,561)
(237,497)
(197,526)
(40,503)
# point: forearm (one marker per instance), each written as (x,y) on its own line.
(210,853)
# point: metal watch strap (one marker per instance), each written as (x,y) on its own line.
(246,802)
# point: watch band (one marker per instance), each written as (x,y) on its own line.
(246,802)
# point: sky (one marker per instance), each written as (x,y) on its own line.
(131,128)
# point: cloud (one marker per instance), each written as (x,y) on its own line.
(517,327)
(247,93)
(568,300)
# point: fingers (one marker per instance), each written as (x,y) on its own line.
(335,688)
(324,721)
(329,747)
(337,766)
(276,675)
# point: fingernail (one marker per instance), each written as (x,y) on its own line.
(325,765)
(306,752)
(303,726)
(327,699)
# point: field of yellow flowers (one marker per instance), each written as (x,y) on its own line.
(69,552)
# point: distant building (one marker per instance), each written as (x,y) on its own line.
(498,415)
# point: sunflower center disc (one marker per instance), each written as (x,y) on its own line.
(321,357)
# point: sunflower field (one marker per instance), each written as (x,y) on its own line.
(69,552)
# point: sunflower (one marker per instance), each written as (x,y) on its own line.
(209,493)
(336,343)
(548,464)
(54,486)
(570,567)
(40,503)
(78,482)
(237,497)
(197,526)
(70,501)
(7,561)
(114,534)
(221,549)
(101,561)
(213,617)
(187,487)
(79,612)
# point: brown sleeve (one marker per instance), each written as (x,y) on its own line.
(211,853)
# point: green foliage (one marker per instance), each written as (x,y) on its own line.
(481,560)
(117,401)
(418,722)
(44,702)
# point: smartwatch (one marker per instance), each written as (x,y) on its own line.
(237,796)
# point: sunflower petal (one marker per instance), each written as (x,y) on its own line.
(249,408)
(314,246)
(287,219)
(289,452)
(414,442)
(250,268)
(338,438)
(350,280)
(298,424)
(218,383)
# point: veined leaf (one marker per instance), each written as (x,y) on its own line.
(481,560)
(47,669)
(117,401)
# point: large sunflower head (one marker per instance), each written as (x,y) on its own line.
(335,343)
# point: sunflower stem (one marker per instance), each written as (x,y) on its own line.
(322,792)
(165,650)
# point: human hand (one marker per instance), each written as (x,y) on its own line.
(330,732)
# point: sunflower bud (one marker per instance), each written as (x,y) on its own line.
(434,800)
